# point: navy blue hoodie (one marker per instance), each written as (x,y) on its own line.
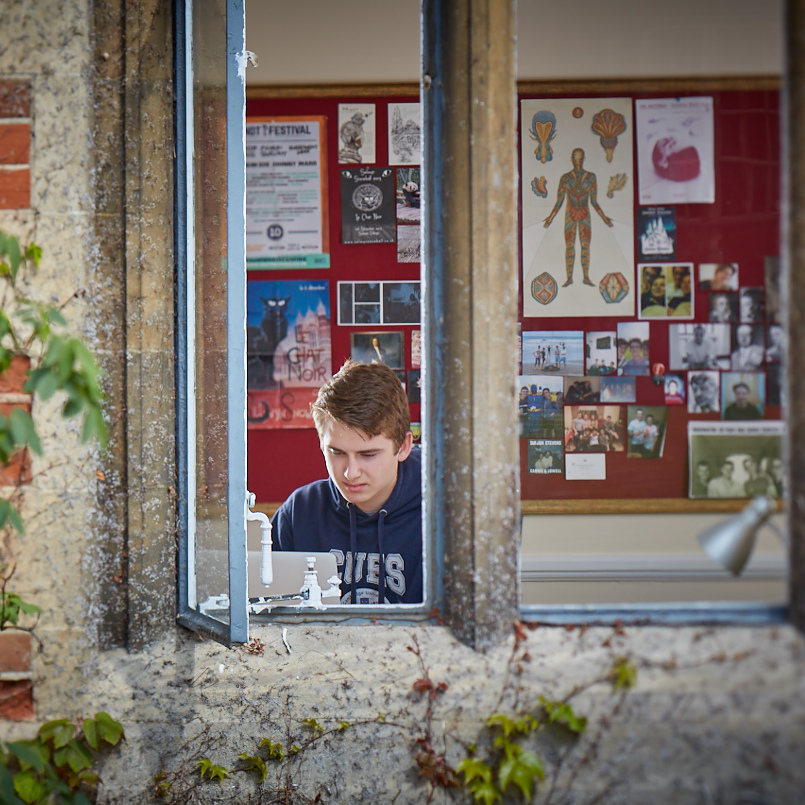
(379,555)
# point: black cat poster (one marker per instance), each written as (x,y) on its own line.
(368,206)
(288,350)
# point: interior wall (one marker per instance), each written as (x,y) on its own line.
(378,41)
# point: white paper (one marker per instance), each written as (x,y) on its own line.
(585,467)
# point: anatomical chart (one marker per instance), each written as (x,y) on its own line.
(577,175)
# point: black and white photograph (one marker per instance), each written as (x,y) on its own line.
(735,460)
(751,306)
(378,347)
(771,274)
(775,343)
(699,346)
(704,392)
(367,303)
(414,387)
(723,307)
(748,351)
(401,303)
(409,244)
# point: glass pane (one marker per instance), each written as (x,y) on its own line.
(210,174)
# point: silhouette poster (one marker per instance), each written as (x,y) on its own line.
(288,350)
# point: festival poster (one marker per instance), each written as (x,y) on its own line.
(368,205)
(675,154)
(578,207)
(286,188)
(288,350)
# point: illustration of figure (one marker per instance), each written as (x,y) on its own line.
(376,353)
(352,137)
(580,188)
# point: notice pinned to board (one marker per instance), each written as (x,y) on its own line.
(286,189)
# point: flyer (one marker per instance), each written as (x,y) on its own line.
(286,188)
(368,206)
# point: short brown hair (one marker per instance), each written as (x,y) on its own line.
(365,396)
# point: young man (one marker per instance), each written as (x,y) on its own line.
(369,512)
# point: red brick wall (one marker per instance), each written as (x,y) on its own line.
(15,144)
(16,683)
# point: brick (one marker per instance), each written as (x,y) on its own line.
(15,98)
(15,651)
(15,189)
(18,470)
(15,143)
(17,700)
(13,379)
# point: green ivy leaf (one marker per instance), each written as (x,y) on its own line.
(485,792)
(562,713)
(9,515)
(7,793)
(474,769)
(254,763)
(313,726)
(208,769)
(28,753)
(107,728)
(520,769)
(57,732)
(23,430)
(28,786)
(344,725)
(623,673)
(75,755)
(275,750)
(503,721)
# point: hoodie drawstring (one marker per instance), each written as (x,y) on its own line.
(353,549)
(381,582)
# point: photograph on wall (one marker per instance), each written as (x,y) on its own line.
(665,290)
(367,303)
(675,154)
(582,390)
(743,395)
(414,386)
(540,406)
(377,347)
(577,207)
(405,133)
(748,349)
(416,348)
(545,457)
(594,429)
(615,389)
(775,343)
(771,275)
(554,351)
(288,351)
(287,225)
(699,346)
(408,196)
(735,459)
(645,433)
(601,352)
(751,305)
(704,392)
(416,431)
(357,130)
(718,276)
(723,307)
(367,205)
(633,348)
(409,244)
(656,234)
(674,386)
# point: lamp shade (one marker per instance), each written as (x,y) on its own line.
(731,542)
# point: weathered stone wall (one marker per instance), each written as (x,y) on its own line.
(717,715)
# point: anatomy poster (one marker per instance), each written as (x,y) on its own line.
(578,217)
(288,351)
(675,150)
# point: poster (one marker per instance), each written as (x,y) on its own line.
(286,185)
(577,200)
(356,129)
(367,206)
(675,152)
(288,352)
(405,134)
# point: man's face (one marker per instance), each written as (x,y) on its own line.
(777,469)
(744,335)
(703,473)
(741,396)
(364,469)
(639,414)
(722,277)
(747,308)
(726,469)
(636,348)
(698,335)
